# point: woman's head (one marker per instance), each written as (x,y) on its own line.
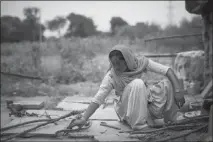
(117,60)
(122,58)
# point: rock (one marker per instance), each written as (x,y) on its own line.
(189,66)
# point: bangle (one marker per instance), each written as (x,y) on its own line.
(83,118)
(180,91)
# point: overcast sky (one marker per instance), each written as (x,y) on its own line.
(102,11)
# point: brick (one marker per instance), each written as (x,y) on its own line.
(30,104)
(207,90)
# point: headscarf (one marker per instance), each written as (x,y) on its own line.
(134,64)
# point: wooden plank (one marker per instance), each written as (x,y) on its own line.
(30,104)
(21,75)
(174,36)
(207,90)
(100,132)
(210,121)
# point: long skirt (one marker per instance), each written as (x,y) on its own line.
(139,103)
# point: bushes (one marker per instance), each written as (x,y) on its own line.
(80,59)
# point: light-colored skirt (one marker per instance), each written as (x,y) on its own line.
(140,103)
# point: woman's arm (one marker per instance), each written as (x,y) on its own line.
(169,73)
(104,90)
(165,70)
(174,80)
(90,110)
(81,121)
(178,88)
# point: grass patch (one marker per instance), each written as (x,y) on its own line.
(81,60)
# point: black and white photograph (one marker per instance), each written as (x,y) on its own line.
(106,71)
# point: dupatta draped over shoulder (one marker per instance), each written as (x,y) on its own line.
(134,64)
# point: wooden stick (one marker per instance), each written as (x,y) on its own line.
(20,124)
(34,128)
(21,75)
(182,122)
(161,129)
(182,135)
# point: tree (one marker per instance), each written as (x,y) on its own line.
(56,24)
(117,22)
(10,29)
(127,31)
(15,30)
(80,26)
(139,30)
(31,25)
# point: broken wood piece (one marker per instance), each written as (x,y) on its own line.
(24,123)
(207,90)
(80,136)
(148,137)
(210,122)
(183,135)
(137,136)
(184,121)
(110,126)
(165,128)
(103,119)
(48,116)
(22,76)
(43,124)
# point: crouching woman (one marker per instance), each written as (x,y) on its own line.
(139,104)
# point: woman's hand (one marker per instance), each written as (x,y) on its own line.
(77,122)
(179,98)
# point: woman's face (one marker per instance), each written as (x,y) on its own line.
(118,63)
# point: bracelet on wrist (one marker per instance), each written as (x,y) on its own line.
(180,91)
(83,118)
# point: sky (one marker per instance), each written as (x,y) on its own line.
(102,11)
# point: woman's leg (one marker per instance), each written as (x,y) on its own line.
(133,104)
(163,104)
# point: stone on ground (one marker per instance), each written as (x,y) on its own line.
(189,66)
(80,102)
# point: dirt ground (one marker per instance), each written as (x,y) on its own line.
(5,119)
(87,89)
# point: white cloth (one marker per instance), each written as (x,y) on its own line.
(107,82)
(133,104)
(157,68)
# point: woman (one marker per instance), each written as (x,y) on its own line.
(138,102)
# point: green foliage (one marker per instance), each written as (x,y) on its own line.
(15,30)
(56,24)
(31,13)
(31,26)
(10,29)
(138,31)
(80,26)
(117,22)
(82,60)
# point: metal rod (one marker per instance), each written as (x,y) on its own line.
(20,75)
(175,36)
(161,55)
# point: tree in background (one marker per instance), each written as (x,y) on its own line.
(56,24)
(186,27)
(31,26)
(80,26)
(117,22)
(139,30)
(15,30)
(11,29)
